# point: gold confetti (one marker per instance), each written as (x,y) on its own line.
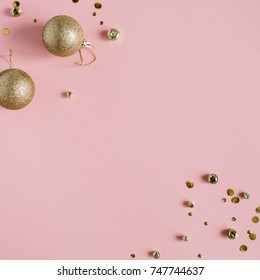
(252,236)
(189,184)
(230,192)
(5,31)
(223,199)
(255,219)
(243,248)
(235,200)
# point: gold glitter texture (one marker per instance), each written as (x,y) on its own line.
(62,36)
(16,89)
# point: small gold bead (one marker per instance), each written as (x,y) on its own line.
(223,199)
(257,210)
(191,204)
(235,200)
(212,178)
(189,184)
(185,238)
(199,256)
(98,5)
(230,192)
(252,236)
(255,219)
(156,254)
(233,219)
(190,213)
(206,223)
(243,248)
(132,256)
(246,195)
(232,234)
(113,34)
(70,94)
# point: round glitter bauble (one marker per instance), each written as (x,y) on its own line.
(16,89)
(62,36)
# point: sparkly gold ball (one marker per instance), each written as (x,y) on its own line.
(16,89)
(62,36)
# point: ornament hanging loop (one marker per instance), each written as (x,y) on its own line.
(86,44)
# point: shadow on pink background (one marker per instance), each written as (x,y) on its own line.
(102,175)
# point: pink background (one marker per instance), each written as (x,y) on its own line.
(102,175)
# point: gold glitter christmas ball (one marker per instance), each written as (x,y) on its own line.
(62,36)
(16,89)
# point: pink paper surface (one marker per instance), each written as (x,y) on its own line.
(102,175)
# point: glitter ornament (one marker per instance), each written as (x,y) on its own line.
(62,36)
(16,89)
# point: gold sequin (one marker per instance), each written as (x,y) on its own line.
(5,31)
(233,219)
(94,14)
(257,210)
(243,248)
(189,184)
(206,223)
(199,256)
(190,213)
(255,219)
(235,200)
(98,5)
(132,256)
(223,199)
(101,22)
(252,236)
(249,231)
(230,192)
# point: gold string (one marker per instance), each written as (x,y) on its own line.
(80,63)
(10,58)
